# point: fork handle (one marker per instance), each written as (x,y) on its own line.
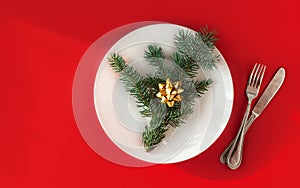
(234,156)
(224,155)
(234,159)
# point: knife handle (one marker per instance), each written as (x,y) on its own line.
(225,153)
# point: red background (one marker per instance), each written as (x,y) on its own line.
(42,43)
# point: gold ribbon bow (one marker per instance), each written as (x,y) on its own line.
(170,92)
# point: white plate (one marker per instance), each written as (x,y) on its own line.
(121,122)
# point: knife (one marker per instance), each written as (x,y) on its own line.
(267,96)
(235,159)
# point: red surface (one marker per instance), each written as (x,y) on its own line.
(42,44)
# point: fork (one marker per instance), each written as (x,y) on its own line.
(233,153)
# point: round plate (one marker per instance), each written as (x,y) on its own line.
(119,117)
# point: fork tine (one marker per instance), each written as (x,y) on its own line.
(262,75)
(255,76)
(251,75)
(258,79)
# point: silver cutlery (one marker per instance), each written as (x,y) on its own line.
(252,90)
(234,156)
(234,160)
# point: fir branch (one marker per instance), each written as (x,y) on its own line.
(153,135)
(131,79)
(202,86)
(117,62)
(178,116)
(208,36)
(181,111)
(162,116)
(154,54)
(190,93)
(194,52)
(133,83)
(156,131)
(143,98)
(151,85)
(186,63)
(193,46)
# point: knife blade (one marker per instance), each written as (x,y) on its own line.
(266,97)
(269,92)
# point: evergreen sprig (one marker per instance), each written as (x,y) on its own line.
(162,116)
(193,52)
(133,82)
(117,62)
(177,116)
(186,63)
(156,131)
(156,57)
(202,86)
(194,47)
(208,36)
(154,54)
(150,87)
